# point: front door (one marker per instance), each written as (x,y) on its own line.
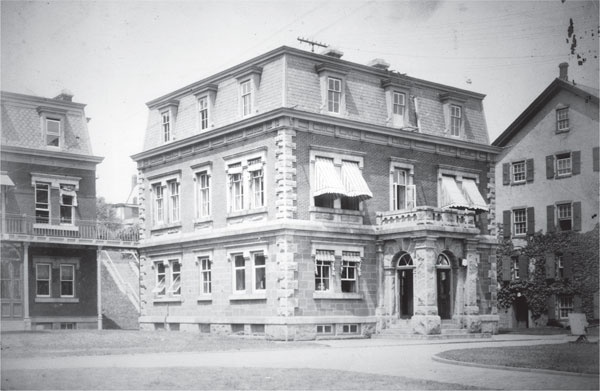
(521,312)
(443,293)
(405,288)
(11,290)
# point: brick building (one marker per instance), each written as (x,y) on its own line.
(299,195)
(50,237)
(547,181)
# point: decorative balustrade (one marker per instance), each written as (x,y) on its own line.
(427,216)
(81,229)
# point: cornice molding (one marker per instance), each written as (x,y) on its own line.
(56,155)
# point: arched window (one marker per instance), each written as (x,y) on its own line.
(442,261)
(405,260)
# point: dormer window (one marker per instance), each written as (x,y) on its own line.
(206,96)
(246,91)
(53,122)
(455,120)
(397,91)
(399,103)
(53,132)
(168,114)
(453,105)
(333,88)
(203,112)
(334,95)
(249,82)
(166,126)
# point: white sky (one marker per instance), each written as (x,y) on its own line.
(116,56)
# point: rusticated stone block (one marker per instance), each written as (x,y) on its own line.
(426,324)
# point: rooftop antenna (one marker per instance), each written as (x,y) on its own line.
(312,44)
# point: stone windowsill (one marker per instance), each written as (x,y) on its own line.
(247,212)
(57,300)
(204,298)
(248,296)
(163,227)
(337,295)
(167,300)
(563,176)
(202,220)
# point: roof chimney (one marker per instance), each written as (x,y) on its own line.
(379,63)
(332,52)
(563,73)
(65,95)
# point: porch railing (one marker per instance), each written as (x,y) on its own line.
(426,215)
(83,229)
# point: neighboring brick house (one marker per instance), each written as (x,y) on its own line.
(298,195)
(50,237)
(547,180)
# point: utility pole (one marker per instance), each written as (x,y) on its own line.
(312,44)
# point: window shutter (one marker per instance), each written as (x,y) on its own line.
(530,221)
(411,197)
(550,218)
(506,263)
(506,215)
(576,162)
(550,166)
(550,266)
(551,304)
(529,166)
(595,158)
(567,266)
(506,174)
(523,267)
(576,216)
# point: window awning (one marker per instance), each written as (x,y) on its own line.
(327,180)
(353,181)
(5,180)
(324,256)
(451,196)
(473,196)
(350,256)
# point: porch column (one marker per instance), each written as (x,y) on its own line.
(99,286)
(425,319)
(473,321)
(379,260)
(26,318)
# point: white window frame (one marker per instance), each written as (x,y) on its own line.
(72,281)
(519,219)
(562,119)
(564,164)
(248,253)
(158,203)
(234,258)
(203,113)
(37,279)
(320,278)
(39,206)
(175,280)
(334,90)
(339,250)
(166,128)
(71,207)
(57,135)
(203,191)
(456,120)
(246,97)
(255,270)
(515,267)
(205,277)
(561,267)
(171,202)
(205,101)
(565,306)
(410,199)
(326,72)
(242,190)
(346,268)
(248,85)
(519,171)
(160,284)
(174,187)
(564,212)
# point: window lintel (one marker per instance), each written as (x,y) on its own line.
(250,72)
(399,84)
(55,180)
(165,177)
(453,97)
(207,89)
(328,69)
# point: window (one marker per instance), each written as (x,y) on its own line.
(520,221)
(246,91)
(203,112)
(562,120)
(565,306)
(565,217)
(350,271)
(175,287)
(161,279)
(515,264)
(43,273)
(236,188)
(518,172)
(399,184)
(350,329)
(324,329)
(455,120)
(563,164)
(174,201)
(67,280)
(246,183)
(158,204)
(68,201)
(239,273)
(203,194)
(53,132)
(260,275)
(324,261)
(561,268)
(205,275)
(257,185)
(42,203)
(399,103)
(166,126)
(334,95)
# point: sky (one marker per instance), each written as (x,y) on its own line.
(115,56)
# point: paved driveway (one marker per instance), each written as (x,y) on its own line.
(412,359)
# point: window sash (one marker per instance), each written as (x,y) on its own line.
(399,103)
(206,275)
(161,279)
(562,119)
(239,268)
(563,165)
(203,201)
(455,120)
(43,279)
(158,204)
(518,172)
(257,190)
(400,182)
(515,263)
(246,93)
(236,192)
(42,203)
(520,221)
(564,211)
(53,132)
(203,110)
(166,126)
(334,94)
(175,287)
(322,275)
(67,281)
(565,306)
(260,272)
(174,201)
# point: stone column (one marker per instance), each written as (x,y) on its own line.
(285,174)
(380,287)
(425,319)
(26,318)
(99,286)
(471,307)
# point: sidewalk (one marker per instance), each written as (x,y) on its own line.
(412,359)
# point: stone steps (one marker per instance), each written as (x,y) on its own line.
(450,329)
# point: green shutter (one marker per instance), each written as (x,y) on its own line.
(506,263)
(550,218)
(506,174)
(530,221)
(596,158)
(529,166)
(506,215)
(576,216)
(523,267)
(550,266)
(550,167)
(576,162)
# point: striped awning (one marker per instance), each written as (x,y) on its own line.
(324,256)
(5,179)
(350,256)
(473,196)
(327,180)
(353,181)
(451,196)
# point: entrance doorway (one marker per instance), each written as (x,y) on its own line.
(521,312)
(11,291)
(444,286)
(405,286)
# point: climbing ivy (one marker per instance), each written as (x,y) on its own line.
(584,254)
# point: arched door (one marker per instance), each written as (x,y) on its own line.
(444,286)
(405,286)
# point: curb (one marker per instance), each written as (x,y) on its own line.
(435,357)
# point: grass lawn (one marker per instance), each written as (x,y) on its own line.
(211,379)
(100,342)
(570,357)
